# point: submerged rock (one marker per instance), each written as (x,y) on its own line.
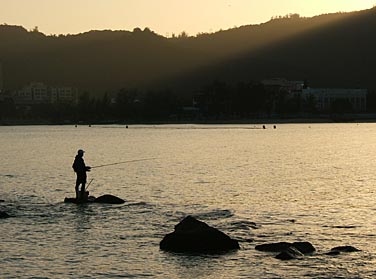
(333,253)
(303,247)
(3,215)
(290,253)
(90,199)
(194,236)
(109,199)
(341,249)
(346,249)
(273,247)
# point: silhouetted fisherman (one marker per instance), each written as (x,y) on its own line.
(80,168)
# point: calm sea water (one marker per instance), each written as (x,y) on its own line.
(303,182)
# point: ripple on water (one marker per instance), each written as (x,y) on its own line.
(230,178)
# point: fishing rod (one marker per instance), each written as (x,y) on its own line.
(89,184)
(118,163)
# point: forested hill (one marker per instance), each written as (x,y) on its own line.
(335,50)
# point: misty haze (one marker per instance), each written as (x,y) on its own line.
(243,152)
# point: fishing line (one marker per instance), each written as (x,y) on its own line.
(124,162)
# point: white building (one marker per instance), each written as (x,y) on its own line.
(34,93)
(63,95)
(39,93)
(283,85)
(324,97)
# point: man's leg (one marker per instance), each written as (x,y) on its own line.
(83,183)
(76,188)
(82,193)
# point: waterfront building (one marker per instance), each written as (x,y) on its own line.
(32,94)
(39,93)
(325,97)
(278,85)
(63,95)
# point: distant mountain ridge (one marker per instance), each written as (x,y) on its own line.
(333,50)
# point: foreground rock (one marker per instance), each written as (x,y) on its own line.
(287,250)
(342,249)
(290,253)
(109,199)
(194,236)
(347,249)
(302,247)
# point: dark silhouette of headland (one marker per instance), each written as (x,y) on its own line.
(140,75)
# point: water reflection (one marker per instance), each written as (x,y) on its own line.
(82,215)
(322,178)
(193,266)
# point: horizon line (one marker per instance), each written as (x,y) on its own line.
(176,35)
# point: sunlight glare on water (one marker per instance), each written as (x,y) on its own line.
(299,182)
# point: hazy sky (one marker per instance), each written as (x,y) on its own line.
(162,16)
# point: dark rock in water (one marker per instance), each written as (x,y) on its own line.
(2,201)
(90,199)
(102,199)
(346,249)
(290,253)
(84,198)
(3,215)
(303,247)
(344,227)
(194,236)
(273,247)
(109,199)
(333,253)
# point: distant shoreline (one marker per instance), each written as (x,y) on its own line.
(350,118)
